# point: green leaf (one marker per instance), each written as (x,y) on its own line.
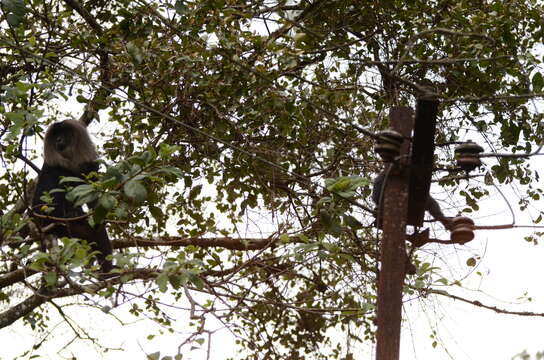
(284,238)
(180,7)
(114,173)
(162,282)
(352,222)
(107,202)
(50,278)
(175,280)
(157,213)
(195,191)
(339,185)
(135,191)
(15,11)
(82,194)
(538,82)
(69,179)
(196,280)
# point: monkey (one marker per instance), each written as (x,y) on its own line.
(69,152)
(431,205)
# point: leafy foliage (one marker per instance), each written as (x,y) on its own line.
(236,178)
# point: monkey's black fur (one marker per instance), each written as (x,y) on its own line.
(430,203)
(69,152)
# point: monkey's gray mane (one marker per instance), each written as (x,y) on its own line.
(81,150)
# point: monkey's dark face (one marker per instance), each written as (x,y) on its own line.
(67,144)
(61,136)
(61,142)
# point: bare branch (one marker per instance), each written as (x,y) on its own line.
(443,61)
(75,5)
(489,307)
(15,276)
(25,307)
(497,98)
(224,242)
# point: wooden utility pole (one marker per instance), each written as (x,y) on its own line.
(393,252)
(407,186)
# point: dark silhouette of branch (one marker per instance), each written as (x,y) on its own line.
(24,159)
(15,276)
(26,306)
(489,307)
(492,98)
(75,5)
(224,242)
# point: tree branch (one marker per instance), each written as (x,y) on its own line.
(489,307)
(75,5)
(224,242)
(15,276)
(26,306)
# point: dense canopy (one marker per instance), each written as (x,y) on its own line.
(236,142)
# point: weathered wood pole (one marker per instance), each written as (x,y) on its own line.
(393,252)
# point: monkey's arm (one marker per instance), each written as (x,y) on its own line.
(434,209)
(377,188)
